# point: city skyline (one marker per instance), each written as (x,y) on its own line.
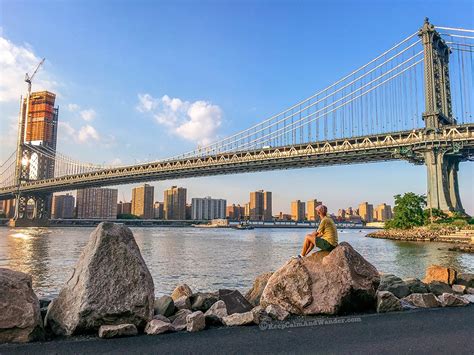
(140,105)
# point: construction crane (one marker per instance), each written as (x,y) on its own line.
(28,80)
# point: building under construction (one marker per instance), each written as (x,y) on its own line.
(41,130)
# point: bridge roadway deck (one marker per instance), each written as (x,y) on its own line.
(405,145)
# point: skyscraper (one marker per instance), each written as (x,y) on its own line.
(298,211)
(261,206)
(235,213)
(124,208)
(366,212)
(63,206)
(175,203)
(208,208)
(142,201)
(159,208)
(97,203)
(311,208)
(383,212)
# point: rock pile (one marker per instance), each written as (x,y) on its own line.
(111,293)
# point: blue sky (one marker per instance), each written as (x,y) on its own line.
(234,62)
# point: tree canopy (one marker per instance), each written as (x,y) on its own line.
(408,211)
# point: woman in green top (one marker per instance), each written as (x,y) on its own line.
(325,237)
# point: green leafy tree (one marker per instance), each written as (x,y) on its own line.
(438,215)
(408,211)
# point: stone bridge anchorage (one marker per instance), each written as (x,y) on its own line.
(413,102)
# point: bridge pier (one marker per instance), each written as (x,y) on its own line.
(31,211)
(443,185)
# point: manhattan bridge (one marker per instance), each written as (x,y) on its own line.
(413,102)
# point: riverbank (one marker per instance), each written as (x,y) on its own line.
(441,330)
(448,234)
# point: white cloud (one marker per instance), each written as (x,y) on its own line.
(88,115)
(72,107)
(15,61)
(196,121)
(87,133)
(66,129)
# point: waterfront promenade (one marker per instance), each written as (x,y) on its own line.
(441,331)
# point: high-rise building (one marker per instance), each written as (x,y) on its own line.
(208,208)
(41,129)
(175,203)
(63,206)
(235,213)
(159,208)
(298,211)
(383,212)
(261,206)
(124,208)
(311,208)
(188,210)
(142,201)
(366,212)
(341,213)
(97,203)
(247,210)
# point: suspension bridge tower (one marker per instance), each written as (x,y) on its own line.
(442,164)
(36,147)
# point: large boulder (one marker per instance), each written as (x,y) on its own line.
(179,319)
(452,300)
(440,273)
(255,293)
(157,326)
(387,302)
(276,312)
(110,284)
(20,317)
(236,319)
(335,283)
(393,284)
(195,321)
(202,301)
(234,301)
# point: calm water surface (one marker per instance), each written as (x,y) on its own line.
(208,259)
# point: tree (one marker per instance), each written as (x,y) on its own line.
(408,211)
(434,215)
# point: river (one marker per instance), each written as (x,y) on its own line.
(208,259)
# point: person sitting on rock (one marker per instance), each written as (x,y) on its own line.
(324,238)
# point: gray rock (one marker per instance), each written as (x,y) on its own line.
(312,286)
(452,300)
(259,315)
(255,293)
(215,314)
(180,291)
(117,331)
(393,284)
(416,285)
(236,319)
(109,285)
(44,302)
(406,306)
(423,300)
(470,290)
(179,319)
(20,316)
(438,288)
(164,306)
(202,301)
(465,279)
(234,301)
(459,288)
(277,312)
(195,322)
(156,326)
(388,302)
(183,303)
(162,318)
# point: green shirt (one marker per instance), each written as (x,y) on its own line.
(328,230)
